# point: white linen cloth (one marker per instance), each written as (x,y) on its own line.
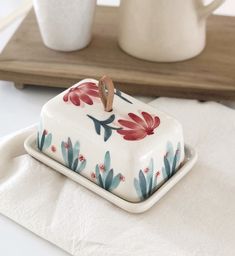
(197,217)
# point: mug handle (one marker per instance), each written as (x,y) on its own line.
(206,10)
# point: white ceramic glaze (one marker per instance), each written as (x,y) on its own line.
(189,161)
(164,30)
(65,25)
(152,149)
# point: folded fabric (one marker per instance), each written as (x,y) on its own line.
(197,217)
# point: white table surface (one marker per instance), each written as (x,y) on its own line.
(18,109)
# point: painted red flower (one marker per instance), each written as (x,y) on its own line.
(102,168)
(82,93)
(146,170)
(157,173)
(53,148)
(122,178)
(66,145)
(81,158)
(138,128)
(93,176)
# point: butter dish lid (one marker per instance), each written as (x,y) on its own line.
(107,115)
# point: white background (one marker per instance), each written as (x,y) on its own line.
(19,108)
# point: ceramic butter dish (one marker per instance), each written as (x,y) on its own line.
(119,143)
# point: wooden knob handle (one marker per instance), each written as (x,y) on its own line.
(106,92)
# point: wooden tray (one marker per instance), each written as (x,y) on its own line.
(211,75)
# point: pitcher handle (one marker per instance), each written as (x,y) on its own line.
(206,10)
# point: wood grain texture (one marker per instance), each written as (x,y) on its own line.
(209,76)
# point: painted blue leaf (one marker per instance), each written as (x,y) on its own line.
(116,182)
(47,142)
(76,149)
(42,141)
(64,153)
(104,124)
(104,175)
(174,162)
(167,167)
(150,171)
(96,124)
(109,180)
(108,120)
(176,159)
(170,151)
(119,94)
(81,166)
(164,174)
(107,161)
(137,189)
(97,171)
(143,185)
(70,153)
(97,127)
(100,181)
(75,165)
(107,133)
(150,186)
(154,182)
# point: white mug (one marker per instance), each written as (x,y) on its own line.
(164,30)
(65,25)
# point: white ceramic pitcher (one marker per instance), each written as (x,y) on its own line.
(164,30)
(65,25)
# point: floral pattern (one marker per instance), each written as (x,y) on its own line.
(84,92)
(137,128)
(171,161)
(104,175)
(146,184)
(105,124)
(71,155)
(43,140)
